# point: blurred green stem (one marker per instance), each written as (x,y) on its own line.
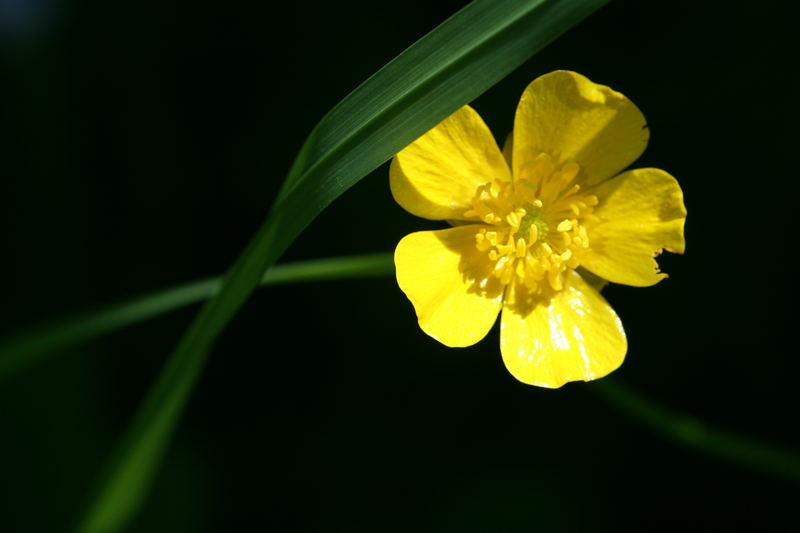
(36,344)
(690,432)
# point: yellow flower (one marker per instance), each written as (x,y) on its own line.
(526,218)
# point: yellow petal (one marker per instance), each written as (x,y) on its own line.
(437,175)
(575,335)
(440,272)
(575,120)
(642,212)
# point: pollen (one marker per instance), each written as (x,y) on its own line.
(535,227)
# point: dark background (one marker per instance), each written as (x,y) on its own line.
(143,143)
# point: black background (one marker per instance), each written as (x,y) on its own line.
(143,145)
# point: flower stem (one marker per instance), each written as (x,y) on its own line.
(688,431)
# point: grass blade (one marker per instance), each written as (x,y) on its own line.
(444,70)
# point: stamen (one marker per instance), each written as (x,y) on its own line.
(535,225)
(505,248)
(533,233)
(564,225)
(481,243)
(522,249)
(584,237)
(554,277)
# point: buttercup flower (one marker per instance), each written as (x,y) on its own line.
(530,221)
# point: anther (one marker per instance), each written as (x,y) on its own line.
(505,248)
(554,278)
(522,249)
(480,241)
(533,233)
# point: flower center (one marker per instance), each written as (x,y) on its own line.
(533,217)
(535,225)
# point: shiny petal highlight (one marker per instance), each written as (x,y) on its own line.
(571,335)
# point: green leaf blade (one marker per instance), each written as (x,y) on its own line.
(446,69)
